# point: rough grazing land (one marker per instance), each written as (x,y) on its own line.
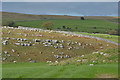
(101,24)
(36,45)
(88,25)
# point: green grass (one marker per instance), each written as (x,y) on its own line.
(102,26)
(114,38)
(8,17)
(43,70)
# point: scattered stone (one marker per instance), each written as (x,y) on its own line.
(101,53)
(57,56)
(55,41)
(78,60)
(0,54)
(79,44)
(29,59)
(8,55)
(49,61)
(4,59)
(5,42)
(33,61)
(14,39)
(63,41)
(61,53)
(105,54)
(83,56)
(13,50)
(7,38)
(18,55)
(5,52)
(14,61)
(17,44)
(91,64)
(37,40)
(53,52)
(55,47)
(66,56)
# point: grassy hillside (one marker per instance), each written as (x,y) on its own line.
(9,17)
(114,38)
(43,70)
(68,55)
(73,45)
(102,26)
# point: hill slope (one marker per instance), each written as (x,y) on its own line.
(42,45)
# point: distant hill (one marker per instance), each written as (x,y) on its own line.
(9,17)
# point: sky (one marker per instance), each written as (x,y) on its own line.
(59,0)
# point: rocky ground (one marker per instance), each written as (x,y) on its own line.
(24,44)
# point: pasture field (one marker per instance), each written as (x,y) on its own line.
(41,53)
(8,17)
(43,70)
(114,38)
(102,26)
(105,66)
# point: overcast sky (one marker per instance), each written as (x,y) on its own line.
(59,0)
